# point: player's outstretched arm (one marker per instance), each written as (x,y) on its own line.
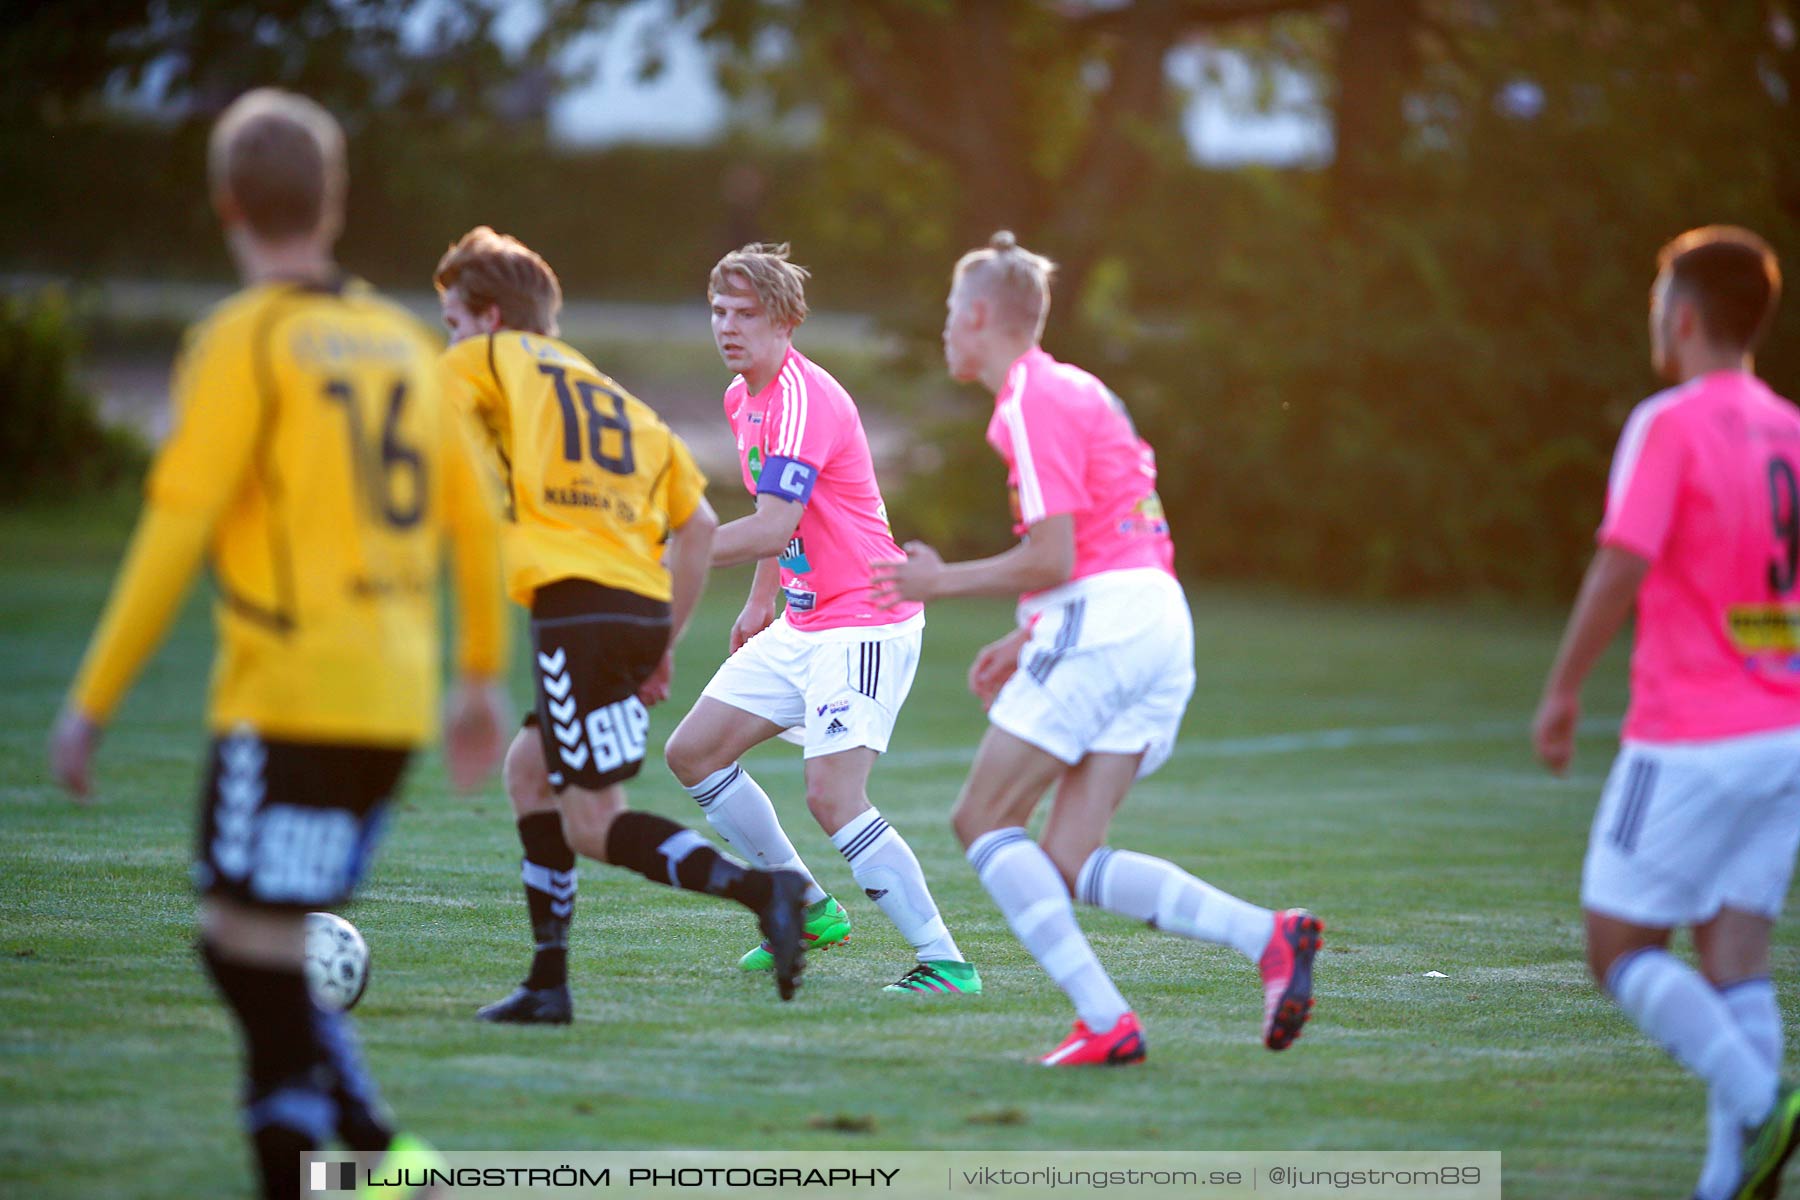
(765,533)
(196,474)
(1607,594)
(1045,558)
(158,569)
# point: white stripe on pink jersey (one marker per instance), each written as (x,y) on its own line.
(1070,448)
(1031,492)
(793,431)
(787,409)
(1631,441)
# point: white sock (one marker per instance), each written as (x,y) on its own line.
(888,873)
(1024,883)
(1752,1004)
(1671,1002)
(1161,893)
(739,811)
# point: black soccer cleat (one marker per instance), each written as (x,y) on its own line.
(783,925)
(532,1006)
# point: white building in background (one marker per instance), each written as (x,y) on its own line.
(683,104)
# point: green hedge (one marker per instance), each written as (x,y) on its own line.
(52,442)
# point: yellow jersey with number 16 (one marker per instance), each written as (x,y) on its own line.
(315,461)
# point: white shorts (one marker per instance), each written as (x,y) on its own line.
(1685,829)
(842,687)
(1108,670)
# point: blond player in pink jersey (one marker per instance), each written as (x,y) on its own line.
(832,668)
(1087,694)
(1700,817)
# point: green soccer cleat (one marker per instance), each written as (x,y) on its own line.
(827,925)
(1770,1145)
(939,979)
(405,1171)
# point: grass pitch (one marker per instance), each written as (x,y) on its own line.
(1368,762)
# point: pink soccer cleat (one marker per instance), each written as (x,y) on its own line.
(1122,1044)
(1286,967)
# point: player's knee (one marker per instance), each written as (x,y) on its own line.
(969,821)
(527,781)
(1609,940)
(1600,960)
(1601,951)
(833,808)
(1067,865)
(687,756)
(269,937)
(588,817)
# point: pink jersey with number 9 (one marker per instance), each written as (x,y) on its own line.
(1070,447)
(1705,484)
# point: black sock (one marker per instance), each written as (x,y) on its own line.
(363,1122)
(659,849)
(288,1102)
(278,1151)
(549,874)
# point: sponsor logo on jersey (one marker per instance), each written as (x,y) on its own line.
(755,463)
(1148,516)
(606,502)
(794,557)
(1765,628)
(801,600)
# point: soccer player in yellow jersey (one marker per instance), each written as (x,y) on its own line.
(595,485)
(316,466)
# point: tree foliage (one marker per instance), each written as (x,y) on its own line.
(1401,372)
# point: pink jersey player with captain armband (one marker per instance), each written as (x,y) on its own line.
(832,671)
(1070,447)
(801,439)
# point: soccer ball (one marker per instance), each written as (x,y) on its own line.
(337,961)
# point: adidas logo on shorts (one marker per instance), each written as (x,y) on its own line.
(836,727)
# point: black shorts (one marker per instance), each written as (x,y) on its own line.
(291,825)
(594,646)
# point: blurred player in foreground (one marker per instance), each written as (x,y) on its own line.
(1088,692)
(832,666)
(1700,817)
(316,466)
(595,485)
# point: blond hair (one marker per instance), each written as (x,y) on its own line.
(779,285)
(280,158)
(495,270)
(1017,280)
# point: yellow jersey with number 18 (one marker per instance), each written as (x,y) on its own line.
(593,479)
